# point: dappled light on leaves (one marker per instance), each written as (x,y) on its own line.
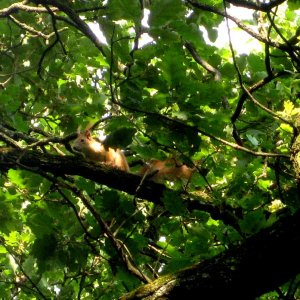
(149,149)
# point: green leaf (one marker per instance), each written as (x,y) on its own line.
(120,138)
(124,9)
(253,140)
(108,202)
(44,248)
(163,11)
(173,203)
(6,215)
(153,98)
(86,185)
(253,222)
(39,222)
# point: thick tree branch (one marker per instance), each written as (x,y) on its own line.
(240,24)
(71,165)
(262,263)
(9,141)
(80,24)
(256,5)
(103,174)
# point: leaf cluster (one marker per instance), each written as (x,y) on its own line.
(154,81)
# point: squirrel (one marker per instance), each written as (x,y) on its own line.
(156,170)
(169,169)
(95,151)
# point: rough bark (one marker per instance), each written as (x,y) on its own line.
(295,157)
(72,165)
(37,162)
(261,264)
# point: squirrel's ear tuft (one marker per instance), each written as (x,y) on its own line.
(87,133)
(78,129)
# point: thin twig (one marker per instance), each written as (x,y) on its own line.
(28,28)
(35,286)
(119,246)
(80,24)
(225,142)
(198,59)
(237,22)
(53,19)
(252,89)
(269,111)
(15,7)
(9,140)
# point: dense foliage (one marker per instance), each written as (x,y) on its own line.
(158,85)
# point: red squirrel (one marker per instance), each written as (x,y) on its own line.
(92,150)
(169,169)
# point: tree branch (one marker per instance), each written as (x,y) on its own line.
(16,7)
(17,261)
(209,68)
(118,245)
(104,174)
(257,5)
(81,25)
(240,24)
(28,28)
(168,120)
(269,111)
(259,265)
(251,90)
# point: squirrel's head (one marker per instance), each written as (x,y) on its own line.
(89,147)
(83,139)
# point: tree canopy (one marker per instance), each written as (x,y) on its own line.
(198,82)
